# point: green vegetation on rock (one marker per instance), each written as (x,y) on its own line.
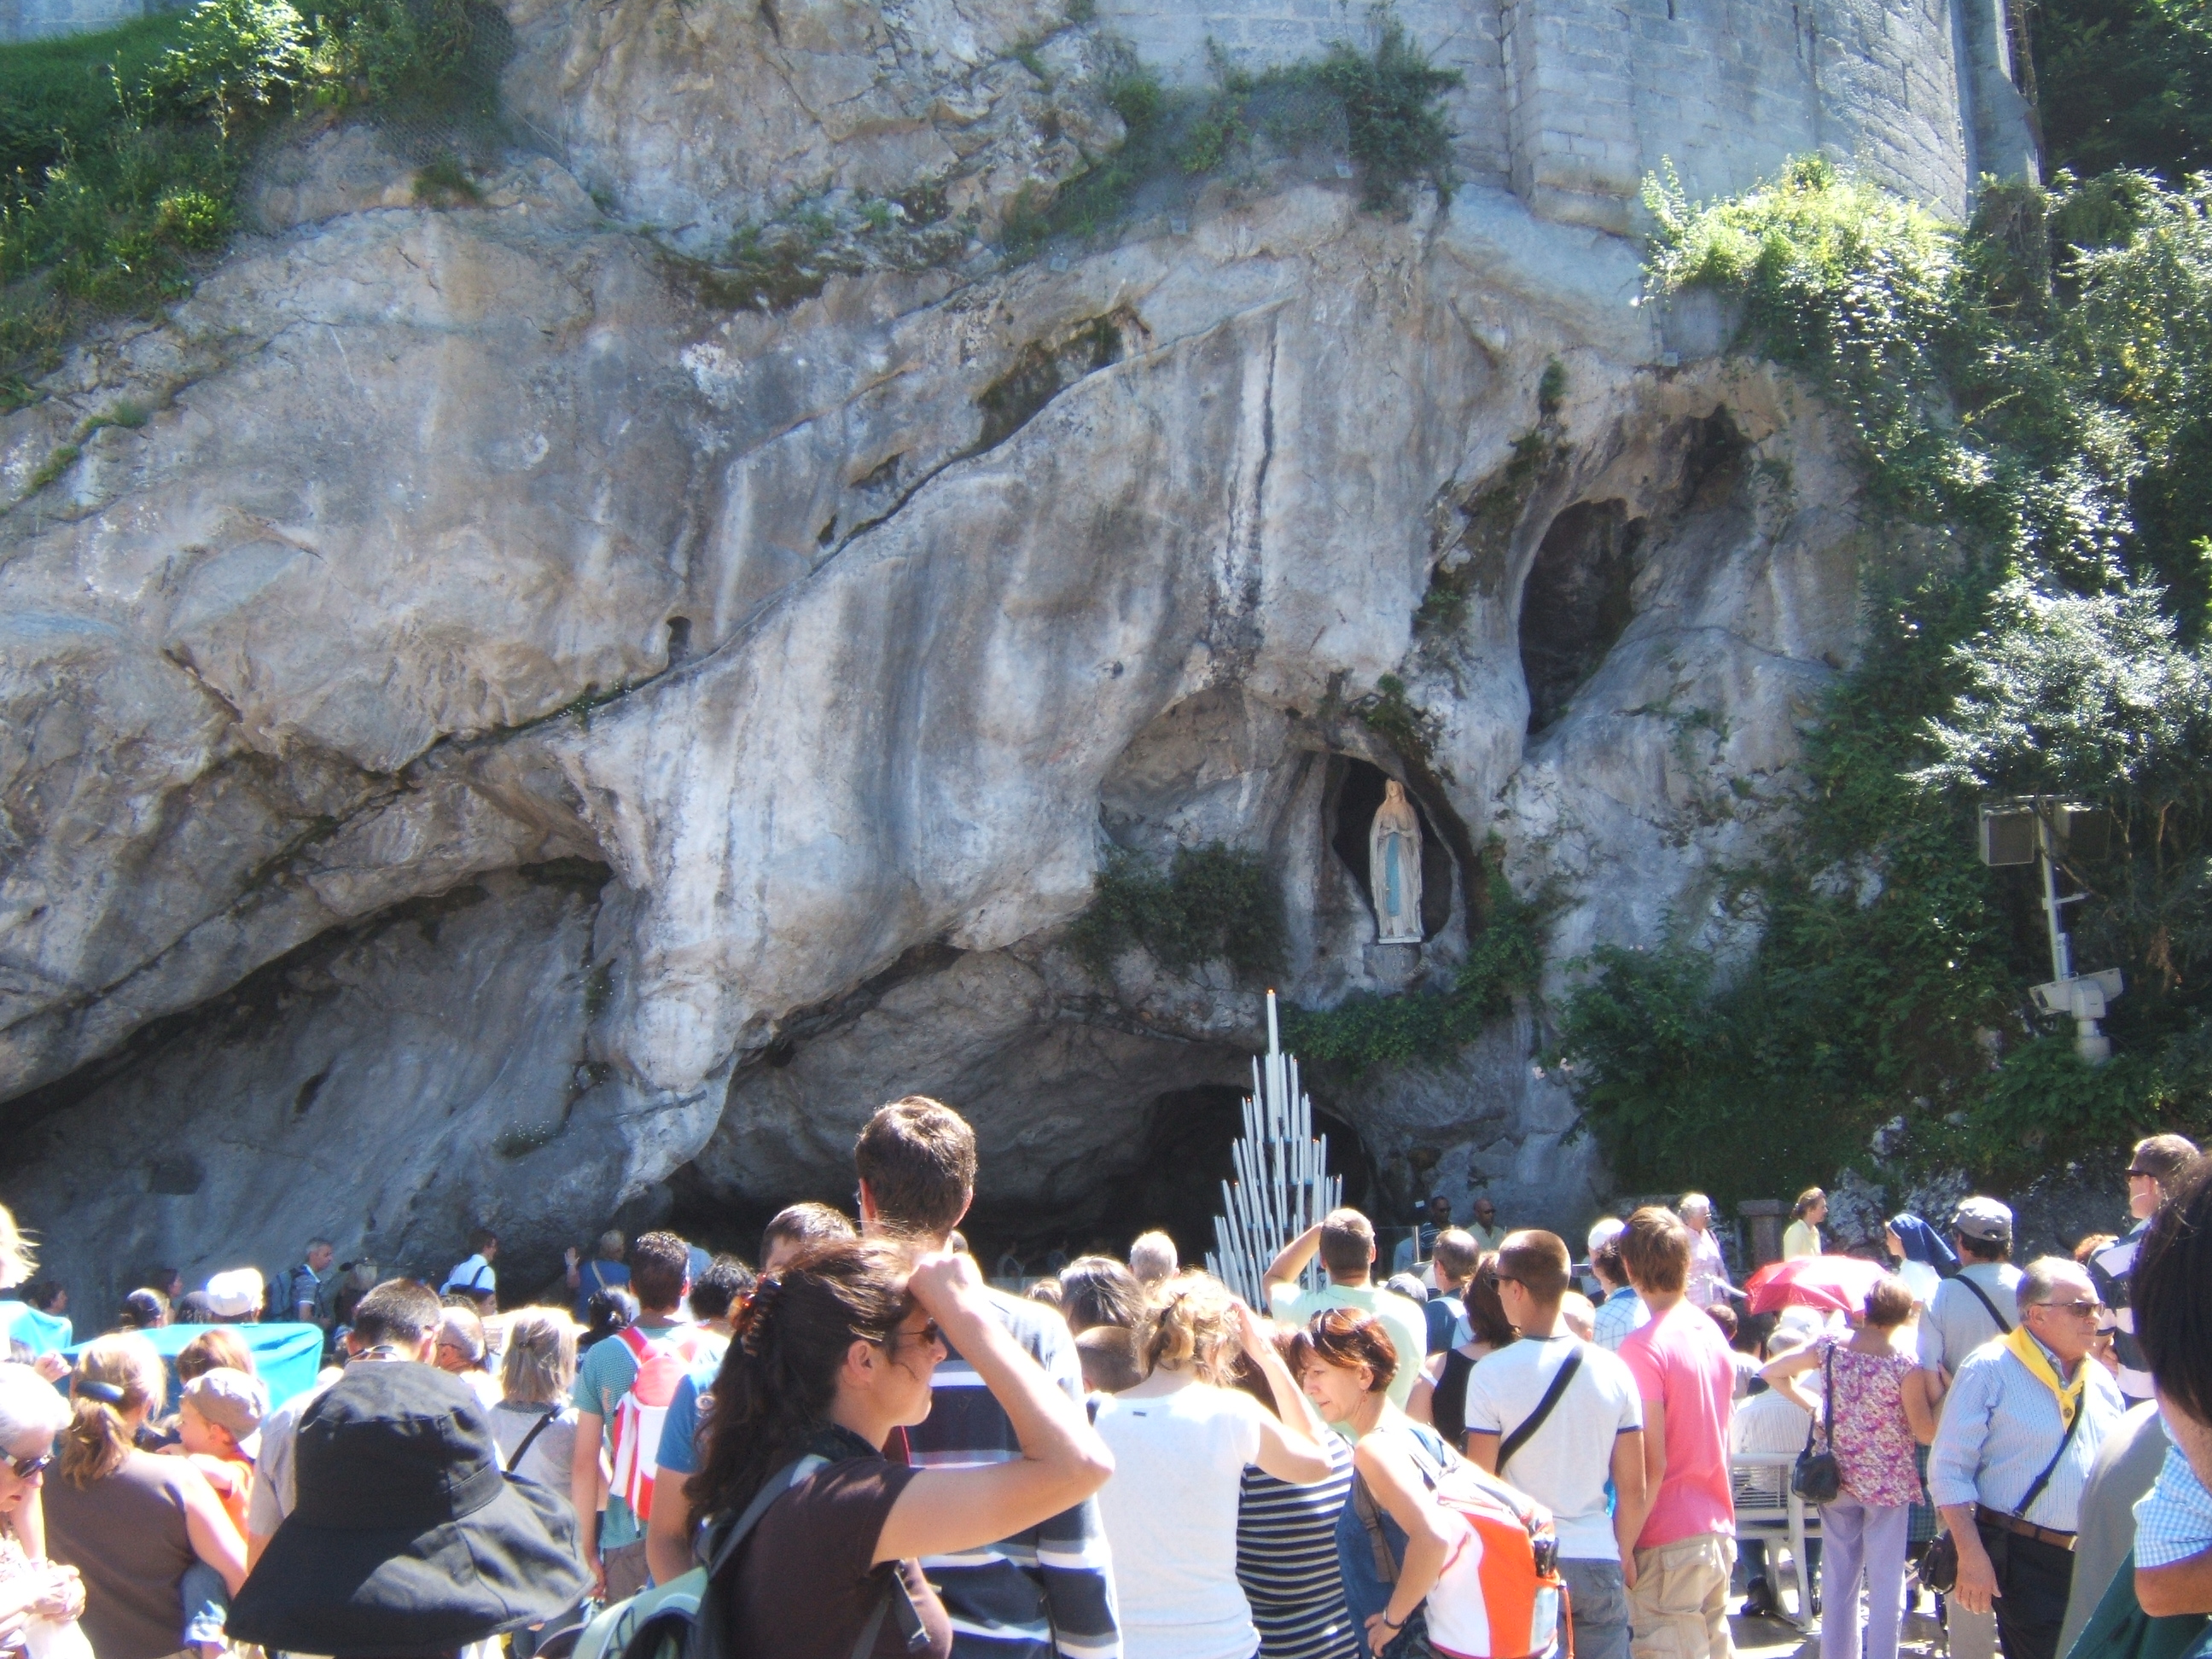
(2031,400)
(1380,109)
(1212,903)
(120,153)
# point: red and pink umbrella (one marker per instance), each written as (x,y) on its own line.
(1838,1283)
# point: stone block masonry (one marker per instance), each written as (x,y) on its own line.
(1570,103)
(40,20)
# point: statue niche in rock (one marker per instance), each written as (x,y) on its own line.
(1393,868)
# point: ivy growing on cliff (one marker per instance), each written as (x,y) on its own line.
(1380,110)
(2031,398)
(1212,903)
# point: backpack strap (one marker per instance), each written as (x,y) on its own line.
(1982,1296)
(640,1345)
(1529,1425)
(531,1439)
(1370,1517)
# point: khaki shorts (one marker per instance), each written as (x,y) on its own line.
(1679,1607)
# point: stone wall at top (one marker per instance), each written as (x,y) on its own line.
(1572,102)
(39,20)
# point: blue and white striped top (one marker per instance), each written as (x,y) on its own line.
(1287,1561)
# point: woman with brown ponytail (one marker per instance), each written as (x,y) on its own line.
(831,1357)
(130,1522)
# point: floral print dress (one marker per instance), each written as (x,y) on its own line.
(1874,1443)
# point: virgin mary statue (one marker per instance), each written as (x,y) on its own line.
(1394,866)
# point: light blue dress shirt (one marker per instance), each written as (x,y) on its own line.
(2000,1426)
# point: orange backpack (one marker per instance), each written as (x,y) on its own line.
(1500,1596)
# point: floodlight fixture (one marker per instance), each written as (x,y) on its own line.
(2041,831)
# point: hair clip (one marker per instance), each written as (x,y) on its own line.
(92,1388)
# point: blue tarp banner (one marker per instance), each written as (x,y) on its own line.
(287,1356)
(41,1333)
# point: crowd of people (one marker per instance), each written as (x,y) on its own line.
(869,1452)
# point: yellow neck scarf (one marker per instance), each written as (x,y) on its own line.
(2025,1349)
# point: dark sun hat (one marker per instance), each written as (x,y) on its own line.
(408,1538)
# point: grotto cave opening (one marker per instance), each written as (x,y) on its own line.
(1171,1182)
(1354,792)
(1575,602)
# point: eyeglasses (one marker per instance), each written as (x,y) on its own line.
(927,1334)
(24,1467)
(2092,1307)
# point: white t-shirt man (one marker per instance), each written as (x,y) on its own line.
(1565,1464)
(474,1276)
(1171,1515)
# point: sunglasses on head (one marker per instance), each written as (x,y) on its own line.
(24,1467)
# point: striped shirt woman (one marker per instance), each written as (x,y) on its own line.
(1287,1561)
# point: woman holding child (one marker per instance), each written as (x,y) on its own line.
(130,1522)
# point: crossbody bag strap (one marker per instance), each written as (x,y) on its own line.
(1982,1296)
(1828,1395)
(1527,1431)
(531,1439)
(2035,1489)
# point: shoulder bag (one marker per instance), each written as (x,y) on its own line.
(1817,1477)
(1939,1563)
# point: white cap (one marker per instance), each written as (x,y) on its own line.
(1610,1228)
(235,1294)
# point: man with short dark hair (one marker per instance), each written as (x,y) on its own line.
(2173,1308)
(1416,1251)
(796,1228)
(1489,1233)
(1457,1258)
(1593,1433)
(1345,1240)
(658,1264)
(1685,1523)
(715,1292)
(1049,1590)
(398,1319)
(475,1276)
(304,1284)
(2155,1164)
(2020,1427)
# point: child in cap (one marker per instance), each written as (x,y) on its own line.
(222,1411)
(217,1427)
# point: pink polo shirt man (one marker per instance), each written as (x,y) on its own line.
(1686,1548)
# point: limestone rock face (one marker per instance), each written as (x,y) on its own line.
(512,741)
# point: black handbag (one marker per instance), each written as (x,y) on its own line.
(1817,1477)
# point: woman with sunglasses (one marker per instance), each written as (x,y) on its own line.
(31,1415)
(1346,1367)
(832,1357)
(129,1521)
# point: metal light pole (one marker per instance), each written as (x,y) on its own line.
(2039,828)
